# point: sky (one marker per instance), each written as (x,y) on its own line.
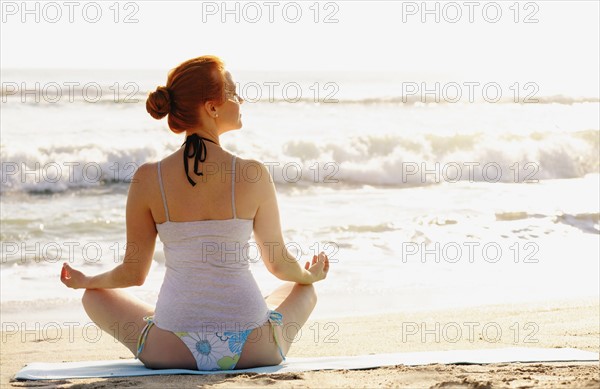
(556,41)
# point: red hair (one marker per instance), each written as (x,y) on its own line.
(189,85)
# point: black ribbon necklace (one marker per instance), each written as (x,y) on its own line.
(194,148)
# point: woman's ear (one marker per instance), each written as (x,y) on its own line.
(210,109)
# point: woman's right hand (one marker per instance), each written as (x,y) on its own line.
(319,267)
(73,278)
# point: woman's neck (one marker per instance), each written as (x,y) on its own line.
(205,135)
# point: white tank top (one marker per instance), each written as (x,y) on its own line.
(208,282)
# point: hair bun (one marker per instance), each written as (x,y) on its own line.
(158,104)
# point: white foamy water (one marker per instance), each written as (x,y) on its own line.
(420,205)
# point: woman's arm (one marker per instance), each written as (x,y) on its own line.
(141,239)
(267,232)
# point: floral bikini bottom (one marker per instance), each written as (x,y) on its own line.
(214,350)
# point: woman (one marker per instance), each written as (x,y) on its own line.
(210,314)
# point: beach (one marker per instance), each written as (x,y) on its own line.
(444,155)
(437,198)
(434,216)
(568,323)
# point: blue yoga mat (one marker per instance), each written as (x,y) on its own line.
(132,367)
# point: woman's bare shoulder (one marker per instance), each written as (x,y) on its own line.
(253,170)
(146,171)
(145,179)
(246,162)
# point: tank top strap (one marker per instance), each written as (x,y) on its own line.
(233,186)
(162,192)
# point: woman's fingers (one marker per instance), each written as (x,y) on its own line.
(319,266)
(66,276)
(72,278)
(64,273)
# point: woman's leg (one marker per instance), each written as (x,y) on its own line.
(295,302)
(279,295)
(118,313)
(121,315)
(296,309)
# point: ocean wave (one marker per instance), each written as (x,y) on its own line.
(432,159)
(379,160)
(586,222)
(53,169)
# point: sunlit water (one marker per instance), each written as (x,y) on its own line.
(420,206)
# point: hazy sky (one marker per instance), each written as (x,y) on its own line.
(365,35)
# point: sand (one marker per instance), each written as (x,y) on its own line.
(551,324)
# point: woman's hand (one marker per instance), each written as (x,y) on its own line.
(73,278)
(319,267)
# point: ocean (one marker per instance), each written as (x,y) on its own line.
(425,192)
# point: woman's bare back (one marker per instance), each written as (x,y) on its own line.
(210,198)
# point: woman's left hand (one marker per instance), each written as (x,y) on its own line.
(73,278)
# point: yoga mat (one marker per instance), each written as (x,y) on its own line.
(133,367)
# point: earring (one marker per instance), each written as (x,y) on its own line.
(216,115)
